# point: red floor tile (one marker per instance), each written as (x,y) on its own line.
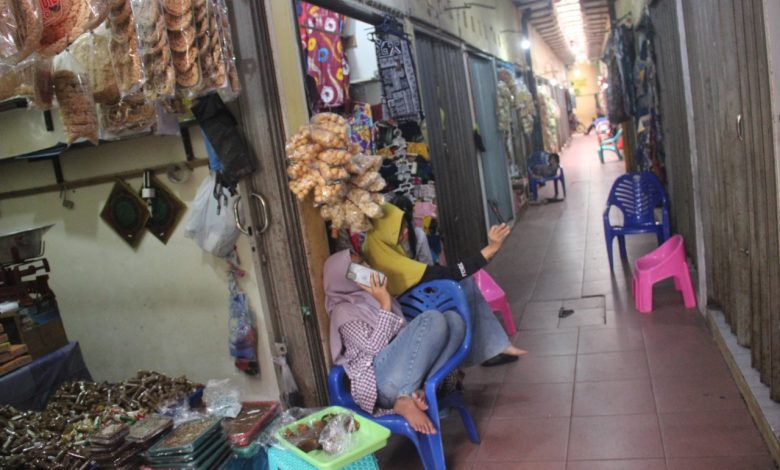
(613,398)
(650,464)
(611,366)
(583,317)
(547,343)
(541,369)
(533,400)
(520,466)
(760,462)
(615,437)
(697,393)
(610,340)
(525,440)
(539,320)
(686,360)
(710,434)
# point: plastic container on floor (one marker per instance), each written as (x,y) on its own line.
(279,459)
(369,438)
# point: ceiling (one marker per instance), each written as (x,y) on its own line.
(595,16)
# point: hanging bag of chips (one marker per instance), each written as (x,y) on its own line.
(93,53)
(125,52)
(74,96)
(21,28)
(180,22)
(157,59)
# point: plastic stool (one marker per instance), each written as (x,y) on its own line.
(496,298)
(668,260)
(278,459)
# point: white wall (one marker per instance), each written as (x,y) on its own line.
(160,307)
(362,57)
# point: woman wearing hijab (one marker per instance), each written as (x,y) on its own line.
(386,358)
(384,251)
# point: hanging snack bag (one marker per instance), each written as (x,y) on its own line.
(200,18)
(132,115)
(63,22)
(180,22)
(228,51)
(93,53)
(125,52)
(29,80)
(77,108)
(216,70)
(157,59)
(97,11)
(21,28)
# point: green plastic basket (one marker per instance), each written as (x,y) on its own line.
(279,459)
(366,440)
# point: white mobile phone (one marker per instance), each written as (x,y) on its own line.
(362,274)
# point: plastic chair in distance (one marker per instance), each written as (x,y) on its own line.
(441,296)
(636,195)
(668,260)
(610,145)
(536,160)
(496,298)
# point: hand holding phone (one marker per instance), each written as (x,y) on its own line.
(371,281)
(362,274)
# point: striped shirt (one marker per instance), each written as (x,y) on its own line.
(362,343)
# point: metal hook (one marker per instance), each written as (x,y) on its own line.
(264,212)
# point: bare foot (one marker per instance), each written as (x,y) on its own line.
(419,399)
(406,407)
(513,351)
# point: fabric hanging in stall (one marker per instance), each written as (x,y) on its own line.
(320,31)
(396,70)
(649,151)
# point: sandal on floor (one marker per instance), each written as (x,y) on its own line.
(499,360)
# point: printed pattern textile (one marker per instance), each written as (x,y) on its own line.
(396,70)
(326,63)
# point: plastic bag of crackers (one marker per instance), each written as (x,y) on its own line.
(345,184)
(21,28)
(156,51)
(29,80)
(65,20)
(74,96)
(132,115)
(125,51)
(93,53)
(233,87)
(180,22)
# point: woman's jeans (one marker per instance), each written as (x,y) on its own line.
(420,349)
(488,338)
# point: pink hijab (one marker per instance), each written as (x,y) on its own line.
(346,301)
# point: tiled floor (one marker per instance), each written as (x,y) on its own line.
(606,388)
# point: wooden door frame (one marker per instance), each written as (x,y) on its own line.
(281,255)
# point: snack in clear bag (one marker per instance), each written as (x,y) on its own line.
(335,157)
(124,48)
(329,193)
(336,436)
(98,12)
(356,220)
(323,118)
(365,202)
(303,186)
(210,48)
(21,29)
(361,163)
(77,107)
(30,80)
(133,114)
(156,51)
(228,51)
(306,152)
(367,179)
(92,51)
(180,22)
(327,137)
(63,22)
(329,173)
(377,185)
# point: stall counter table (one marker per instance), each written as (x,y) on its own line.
(29,387)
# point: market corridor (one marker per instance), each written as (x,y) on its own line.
(607,387)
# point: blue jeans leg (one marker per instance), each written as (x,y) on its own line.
(456,331)
(402,366)
(488,337)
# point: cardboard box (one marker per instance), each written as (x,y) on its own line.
(41,339)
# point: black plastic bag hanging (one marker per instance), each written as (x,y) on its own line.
(221,129)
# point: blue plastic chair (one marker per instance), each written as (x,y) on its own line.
(636,195)
(611,145)
(538,159)
(440,296)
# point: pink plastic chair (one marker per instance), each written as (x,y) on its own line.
(496,298)
(668,260)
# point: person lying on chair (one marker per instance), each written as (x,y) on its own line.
(386,358)
(383,249)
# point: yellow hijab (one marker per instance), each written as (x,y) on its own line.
(384,253)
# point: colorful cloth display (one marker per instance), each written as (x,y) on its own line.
(326,63)
(396,70)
